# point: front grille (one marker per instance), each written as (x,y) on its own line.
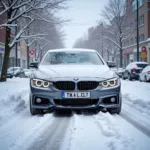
(87,85)
(64,85)
(76,102)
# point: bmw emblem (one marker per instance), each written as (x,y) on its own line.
(76,79)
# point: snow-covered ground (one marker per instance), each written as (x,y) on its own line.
(127,131)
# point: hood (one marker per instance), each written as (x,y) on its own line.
(70,71)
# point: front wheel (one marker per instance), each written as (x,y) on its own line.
(129,77)
(115,110)
(145,79)
(34,111)
(140,79)
(123,77)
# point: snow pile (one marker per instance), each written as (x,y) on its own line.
(111,129)
(14,96)
(136,94)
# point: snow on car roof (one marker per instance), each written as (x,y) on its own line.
(72,50)
(140,62)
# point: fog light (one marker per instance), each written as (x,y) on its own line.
(38,100)
(112,99)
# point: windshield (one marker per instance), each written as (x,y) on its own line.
(12,69)
(56,58)
(26,70)
(142,65)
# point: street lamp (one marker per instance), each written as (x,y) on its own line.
(16,43)
(102,38)
(137,16)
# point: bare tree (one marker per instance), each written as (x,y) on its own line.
(119,23)
(17,9)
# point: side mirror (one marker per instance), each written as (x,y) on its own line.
(34,64)
(111,64)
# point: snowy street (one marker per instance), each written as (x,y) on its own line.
(71,131)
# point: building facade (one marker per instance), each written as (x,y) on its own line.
(20,49)
(130,45)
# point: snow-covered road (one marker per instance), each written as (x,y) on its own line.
(70,131)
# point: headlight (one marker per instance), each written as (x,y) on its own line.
(41,83)
(109,83)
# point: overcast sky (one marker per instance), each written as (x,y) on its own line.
(83,14)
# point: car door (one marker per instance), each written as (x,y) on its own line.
(142,75)
(127,70)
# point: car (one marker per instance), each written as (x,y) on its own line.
(74,79)
(16,72)
(120,71)
(28,72)
(133,70)
(145,74)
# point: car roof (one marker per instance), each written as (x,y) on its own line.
(72,50)
(140,62)
(15,67)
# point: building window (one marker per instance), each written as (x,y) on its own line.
(142,37)
(134,4)
(142,2)
(141,20)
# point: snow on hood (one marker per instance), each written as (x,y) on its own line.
(63,71)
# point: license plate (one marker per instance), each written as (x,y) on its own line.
(75,94)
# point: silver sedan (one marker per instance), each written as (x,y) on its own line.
(74,79)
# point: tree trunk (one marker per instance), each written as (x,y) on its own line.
(121,57)
(121,53)
(108,55)
(28,57)
(6,55)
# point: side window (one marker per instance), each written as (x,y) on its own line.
(145,69)
(128,67)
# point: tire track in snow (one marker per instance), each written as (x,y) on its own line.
(109,127)
(52,137)
(95,132)
(129,118)
(22,131)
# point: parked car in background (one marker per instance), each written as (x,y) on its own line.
(133,70)
(119,72)
(16,72)
(145,74)
(28,72)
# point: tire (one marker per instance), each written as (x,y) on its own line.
(129,77)
(140,79)
(115,110)
(34,111)
(145,79)
(21,75)
(123,77)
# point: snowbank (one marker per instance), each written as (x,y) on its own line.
(14,96)
(137,95)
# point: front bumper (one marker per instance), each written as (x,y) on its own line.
(52,94)
(9,75)
(135,76)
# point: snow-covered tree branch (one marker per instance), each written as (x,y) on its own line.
(26,13)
